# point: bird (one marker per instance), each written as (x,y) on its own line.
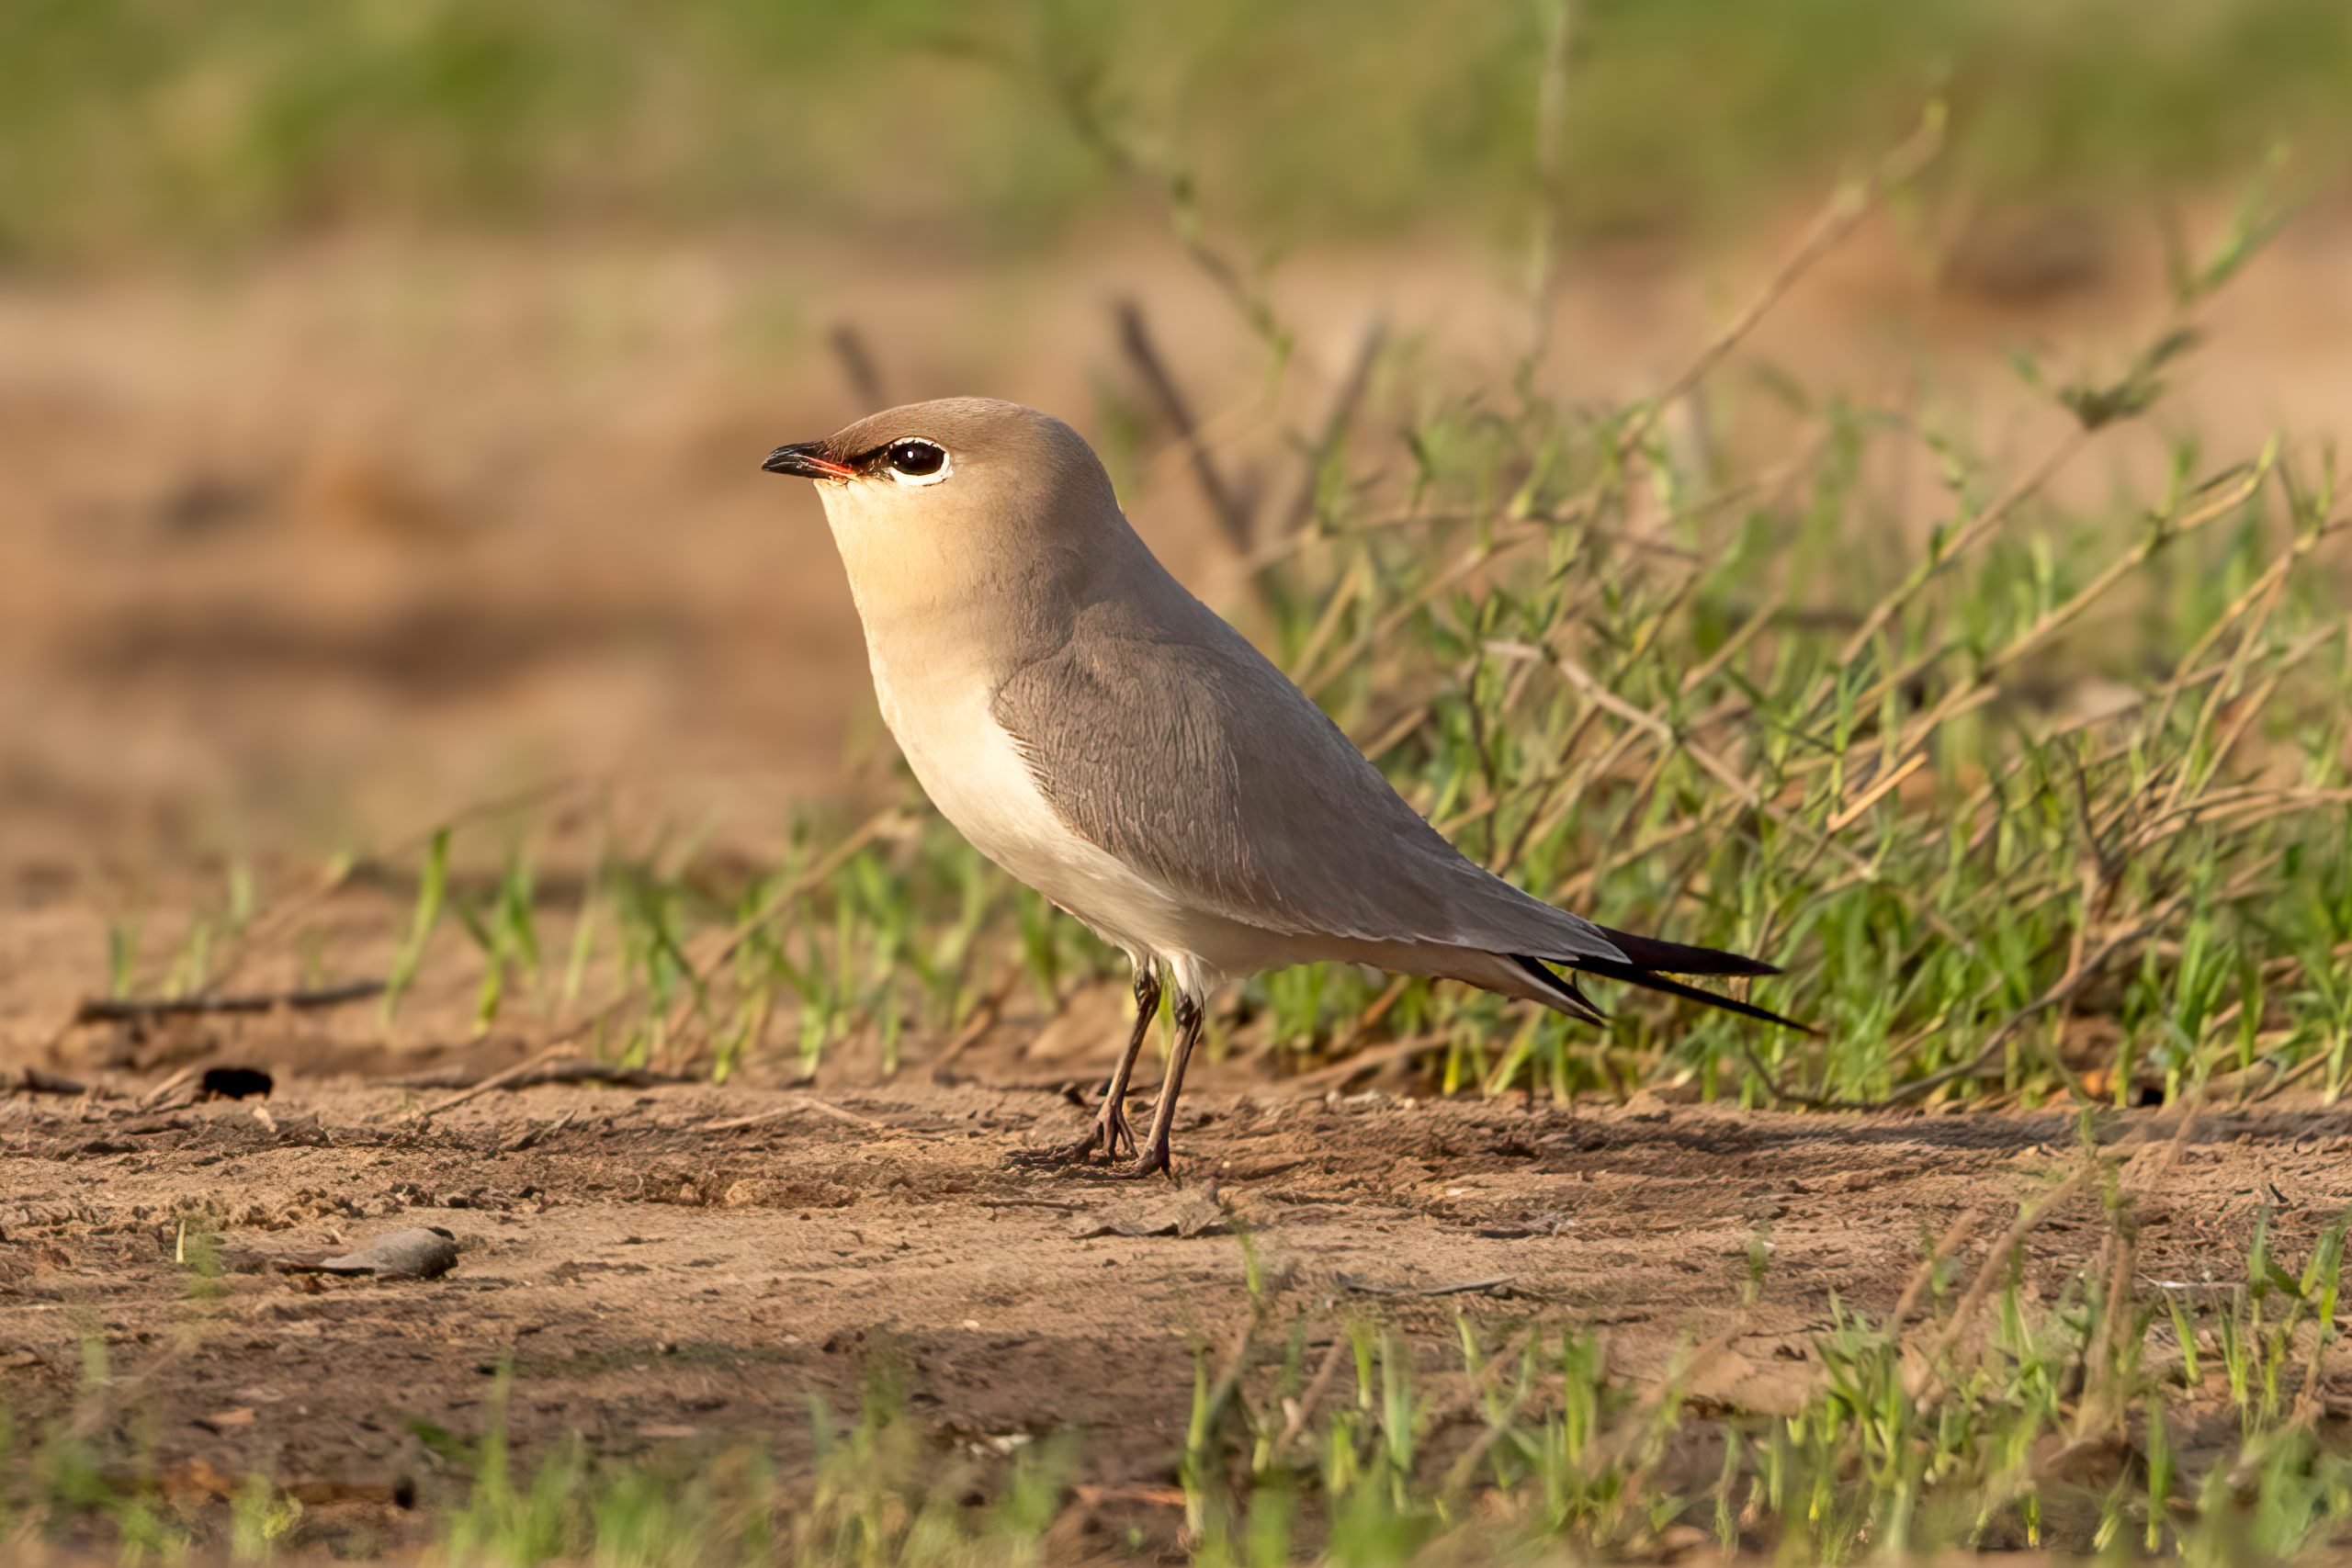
(1103,736)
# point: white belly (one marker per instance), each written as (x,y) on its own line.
(975,775)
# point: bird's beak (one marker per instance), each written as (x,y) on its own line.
(806,460)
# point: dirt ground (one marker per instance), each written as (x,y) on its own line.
(654,1277)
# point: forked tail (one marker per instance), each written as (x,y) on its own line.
(1650,963)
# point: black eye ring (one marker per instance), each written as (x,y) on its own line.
(916,459)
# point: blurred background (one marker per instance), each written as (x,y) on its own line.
(383,384)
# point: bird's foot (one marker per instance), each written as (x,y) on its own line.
(1111,1128)
(1154,1162)
(1110,1138)
(1062,1155)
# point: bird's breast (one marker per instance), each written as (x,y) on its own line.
(975,773)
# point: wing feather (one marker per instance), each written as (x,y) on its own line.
(1172,743)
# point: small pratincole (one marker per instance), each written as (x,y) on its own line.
(1106,737)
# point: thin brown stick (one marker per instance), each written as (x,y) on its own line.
(1344,403)
(548,1066)
(1369,1019)
(177,1080)
(1972,1299)
(1230,511)
(1551,157)
(2257,592)
(1887,782)
(800,1103)
(1339,1074)
(977,1027)
(1846,208)
(1955,1235)
(857,364)
(1497,1423)
(1303,1409)
(35,1080)
(133,1009)
(538,1132)
(2233,674)
(2288,1079)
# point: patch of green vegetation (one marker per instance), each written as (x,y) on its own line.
(1978,782)
(135,126)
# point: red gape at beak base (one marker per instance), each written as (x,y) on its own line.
(806,460)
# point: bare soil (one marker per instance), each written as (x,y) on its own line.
(653,1280)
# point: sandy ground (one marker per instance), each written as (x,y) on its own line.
(653,1279)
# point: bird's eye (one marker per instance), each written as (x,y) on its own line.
(916,462)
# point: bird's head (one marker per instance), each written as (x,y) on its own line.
(977,467)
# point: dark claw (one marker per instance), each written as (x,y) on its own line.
(1156,1163)
(1079,1153)
(1107,1136)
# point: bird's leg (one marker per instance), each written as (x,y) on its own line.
(1111,1123)
(1190,1015)
(1110,1129)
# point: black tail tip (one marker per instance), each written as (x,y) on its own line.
(1564,994)
(1681,958)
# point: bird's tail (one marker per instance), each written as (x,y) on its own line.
(1649,963)
(1679,958)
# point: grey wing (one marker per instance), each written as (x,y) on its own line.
(1198,762)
